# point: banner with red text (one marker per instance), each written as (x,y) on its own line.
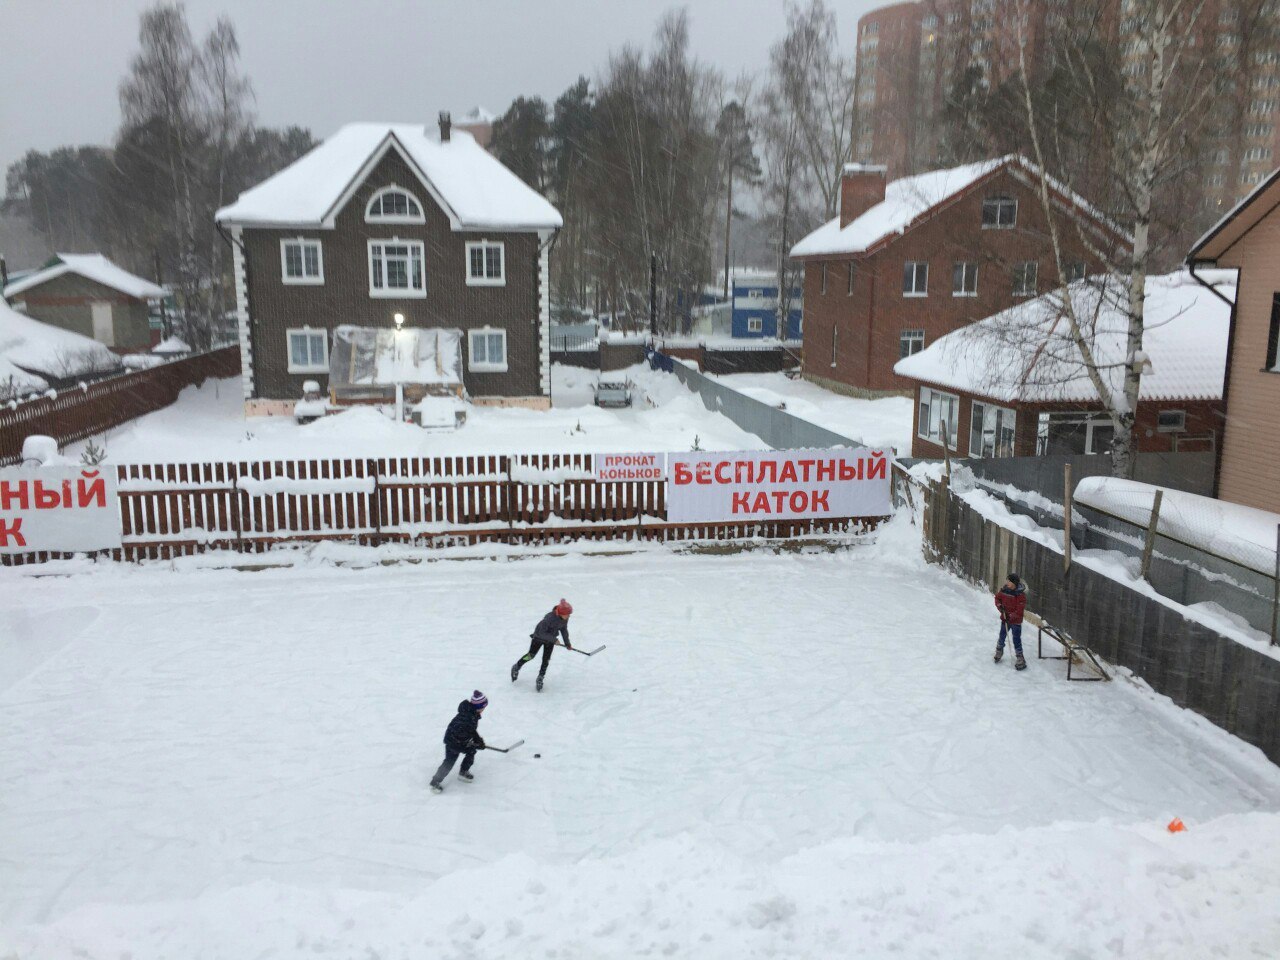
(59,509)
(629,466)
(778,485)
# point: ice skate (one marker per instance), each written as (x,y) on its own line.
(465,776)
(436,788)
(1020,663)
(999,655)
(515,671)
(539,683)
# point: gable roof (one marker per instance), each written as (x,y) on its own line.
(92,266)
(909,200)
(1025,353)
(1238,221)
(32,351)
(473,188)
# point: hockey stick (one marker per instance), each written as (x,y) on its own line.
(585,653)
(504,749)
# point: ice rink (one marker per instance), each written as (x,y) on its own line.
(778,755)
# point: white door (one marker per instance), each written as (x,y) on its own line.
(104,330)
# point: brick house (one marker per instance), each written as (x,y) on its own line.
(1013,384)
(1248,239)
(88,294)
(911,260)
(387,220)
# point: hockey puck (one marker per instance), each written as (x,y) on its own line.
(537,756)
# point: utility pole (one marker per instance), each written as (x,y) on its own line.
(653,294)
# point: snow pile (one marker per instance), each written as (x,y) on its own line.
(1241,534)
(32,353)
(91,266)
(171,345)
(292,485)
(474,188)
(1026,353)
(521,473)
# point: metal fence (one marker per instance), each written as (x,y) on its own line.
(777,428)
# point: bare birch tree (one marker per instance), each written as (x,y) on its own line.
(1143,135)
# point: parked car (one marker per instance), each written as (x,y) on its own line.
(613,393)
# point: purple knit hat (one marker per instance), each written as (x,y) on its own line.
(479,700)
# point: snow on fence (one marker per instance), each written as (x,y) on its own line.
(79,412)
(178,509)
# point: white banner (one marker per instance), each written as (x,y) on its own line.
(629,466)
(60,509)
(778,485)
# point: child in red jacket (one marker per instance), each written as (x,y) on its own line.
(1011,601)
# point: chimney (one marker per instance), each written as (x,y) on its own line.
(861,188)
(446,126)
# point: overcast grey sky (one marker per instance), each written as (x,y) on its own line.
(322,63)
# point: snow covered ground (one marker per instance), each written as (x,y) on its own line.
(208,423)
(778,755)
(884,423)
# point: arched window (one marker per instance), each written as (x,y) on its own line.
(394,205)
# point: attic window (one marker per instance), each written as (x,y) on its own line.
(394,205)
(999,213)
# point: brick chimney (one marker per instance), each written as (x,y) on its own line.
(446,126)
(861,188)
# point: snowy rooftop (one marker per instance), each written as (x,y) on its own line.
(93,266)
(171,345)
(31,351)
(1026,354)
(476,114)
(905,201)
(476,190)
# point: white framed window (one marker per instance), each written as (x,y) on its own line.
(1076,270)
(999,213)
(395,268)
(964,279)
(487,349)
(755,294)
(909,342)
(308,350)
(486,264)
(394,205)
(1025,275)
(301,261)
(915,278)
(937,408)
(991,430)
(1171,421)
(755,325)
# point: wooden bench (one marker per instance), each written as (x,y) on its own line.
(1074,651)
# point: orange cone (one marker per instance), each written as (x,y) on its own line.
(1176,825)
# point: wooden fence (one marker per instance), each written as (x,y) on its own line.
(169,510)
(79,412)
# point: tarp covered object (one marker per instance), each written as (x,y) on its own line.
(367,361)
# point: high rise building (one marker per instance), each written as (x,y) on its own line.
(912,56)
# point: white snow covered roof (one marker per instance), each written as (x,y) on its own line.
(1026,354)
(906,200)
(93,266)
(477,114)
(46,351)
(1243,535)
(171,345)
(473,188)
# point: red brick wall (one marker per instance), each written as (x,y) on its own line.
(869,323)
(1202,417)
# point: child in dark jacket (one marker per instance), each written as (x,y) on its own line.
(555,624)
(1011,601)
(461,738)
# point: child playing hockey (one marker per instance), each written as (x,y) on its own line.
(1011,601)
(555,623)
(462,738)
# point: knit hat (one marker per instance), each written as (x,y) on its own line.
(563,608)
(1015,579)
(479,700)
